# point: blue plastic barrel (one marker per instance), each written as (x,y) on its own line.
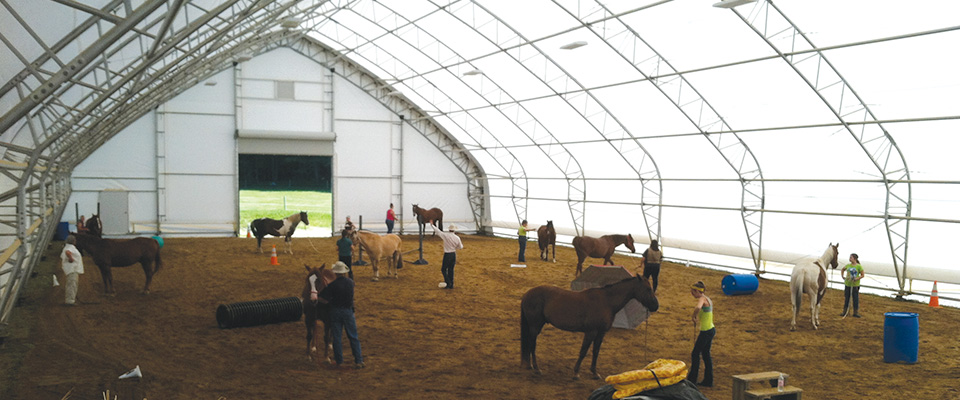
(63,229)
(901,337)
(739,284)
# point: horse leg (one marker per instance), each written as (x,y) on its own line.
(814,307)
(588,338)
(107,279)
(311,325)
(327,339)
(148,271)
(375,263)
(554,251)
(795,299)
(259,240)
(596,353)
(288,245)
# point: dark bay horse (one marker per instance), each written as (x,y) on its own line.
(590,311)
(313,311)
(423,216)
(93,226)
(108,253)
(603,247)
(547,236)
(261,227)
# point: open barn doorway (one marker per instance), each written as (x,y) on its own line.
(276,186)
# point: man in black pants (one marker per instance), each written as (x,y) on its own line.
(451,243)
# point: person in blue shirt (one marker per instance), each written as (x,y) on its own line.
(339,294)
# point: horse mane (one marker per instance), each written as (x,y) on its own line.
(617,237)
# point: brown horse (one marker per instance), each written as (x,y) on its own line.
(424,216)
(600,248)
(108,253)
(313,311)
(261,227)
(94,226)
(547,236)
(380,246)
(590,311)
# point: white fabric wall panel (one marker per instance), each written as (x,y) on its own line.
(199,144)
(131,153)
(200,199)
(351,103)
(363,149)
(369,197)
(307,91)
(282,115)
(204,98)
(257,89)
(423,162)
(283,64)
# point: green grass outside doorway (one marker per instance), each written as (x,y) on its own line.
(280,204)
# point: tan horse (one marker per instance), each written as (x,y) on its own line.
(810,277)
(378,247)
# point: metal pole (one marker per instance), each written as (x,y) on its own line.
(423,228)
(360,253)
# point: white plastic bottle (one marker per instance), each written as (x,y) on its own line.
(780,383)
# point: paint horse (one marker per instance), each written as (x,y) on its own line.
(590,311)
(378,247)
(547,236)
(313,310)
(424,216)
(265,226)
(109,253)
(810,277)
(600,248)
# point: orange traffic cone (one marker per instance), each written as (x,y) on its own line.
(248,235)
(934,297)
(273,256)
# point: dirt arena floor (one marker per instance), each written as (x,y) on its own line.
(423,342)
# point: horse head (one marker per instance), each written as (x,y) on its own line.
(549,224)
(834,263)
(94,226)
(629,243)
(645,295)
(303,217)
(314,279)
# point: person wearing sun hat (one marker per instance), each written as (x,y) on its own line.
(339,294)
(451,243)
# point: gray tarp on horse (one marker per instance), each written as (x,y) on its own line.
(685,390)
(632,314)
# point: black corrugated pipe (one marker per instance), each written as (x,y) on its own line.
(260,312)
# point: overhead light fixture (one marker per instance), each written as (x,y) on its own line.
(574,45)
(242,58)
(473,72)
(290,22)
(210,83)
(393,93)
(732,3)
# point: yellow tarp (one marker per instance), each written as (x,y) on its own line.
(661,372)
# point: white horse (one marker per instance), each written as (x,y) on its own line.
(810,277)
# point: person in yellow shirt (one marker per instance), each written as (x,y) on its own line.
(522,237)
(703,314)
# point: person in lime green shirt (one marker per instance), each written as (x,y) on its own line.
(852,274)
(703,314)
(522,237)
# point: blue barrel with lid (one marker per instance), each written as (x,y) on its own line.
(901,337)
(739,284)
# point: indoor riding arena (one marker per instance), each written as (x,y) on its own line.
(731,199)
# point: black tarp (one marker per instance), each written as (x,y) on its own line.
(685,390)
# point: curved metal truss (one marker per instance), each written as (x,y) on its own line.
(823,78)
